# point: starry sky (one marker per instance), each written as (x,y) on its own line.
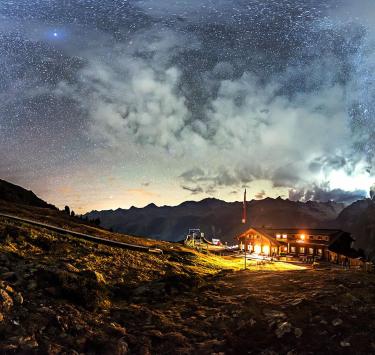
(107,104)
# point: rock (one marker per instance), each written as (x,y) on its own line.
(344,344)
(105,345)
(97,276)
(283,328)
(10,276)
(337,322)
(18,298)
(154,333)
(6,302)
(296,302)
(4,259)
(28,342)
(32,285)
(298,332)
(117,329)
(52,291)
(71,268)
(144,350)
(274,314)
(176,338)
(1,317)
(207,347)
(140,290)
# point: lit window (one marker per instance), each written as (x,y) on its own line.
(278,236)
(320,252)
(285,236)
(302,236)
(311,250)
(266,249)
(302,250)
(257,248)
(319,237)
(292,249)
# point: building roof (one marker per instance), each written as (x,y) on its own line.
(270,233)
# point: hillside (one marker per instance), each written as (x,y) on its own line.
(17,194)
(216,217)
(359,219)
(60,294)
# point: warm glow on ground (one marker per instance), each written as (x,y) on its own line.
(237,263)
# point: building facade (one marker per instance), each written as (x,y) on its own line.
(323,244)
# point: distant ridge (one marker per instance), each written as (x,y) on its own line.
(17,194)
(216,217)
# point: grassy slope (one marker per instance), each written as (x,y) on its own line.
(58,294)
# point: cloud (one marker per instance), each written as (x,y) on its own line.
(260,195)
(194,190)
(324,194)
(284,115)
(192,175)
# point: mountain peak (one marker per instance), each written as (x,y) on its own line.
(17,194)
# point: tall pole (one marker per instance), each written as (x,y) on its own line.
(245,255)
(244,219)
(244,208)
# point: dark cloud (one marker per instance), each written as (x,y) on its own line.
(219,178)
(192,175)
(194,190)
(286,176)
(260,195)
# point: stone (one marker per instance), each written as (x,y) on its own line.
(10,276)
(344,343)
(117,329)
(6,302)
(283,328)
(296,302)
(71,268)
(32,285)
(298,332)
(18,298)
(337,322)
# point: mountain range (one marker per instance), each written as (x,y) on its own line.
(222,219)
(217,218)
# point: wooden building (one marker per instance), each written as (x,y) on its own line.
(324,244)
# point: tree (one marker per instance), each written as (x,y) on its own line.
(97,221)
(67,210)
(72,213)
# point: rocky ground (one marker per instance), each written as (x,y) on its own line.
(60,295)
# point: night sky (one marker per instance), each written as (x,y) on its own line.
(107,104)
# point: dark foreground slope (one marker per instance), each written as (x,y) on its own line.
(216,217)
(63,295)
(60,295)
